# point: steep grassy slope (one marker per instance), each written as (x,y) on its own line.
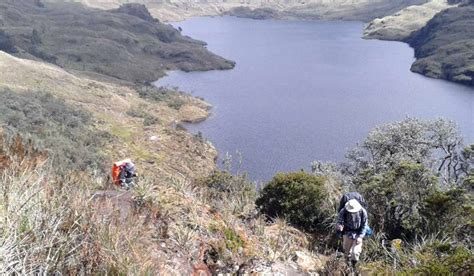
(125,43)
(116,112)
(175,10)
(444,48)
(169,224)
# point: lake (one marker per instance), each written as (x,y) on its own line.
(305,91)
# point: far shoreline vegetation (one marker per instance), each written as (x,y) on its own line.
(443,45)
(126,43)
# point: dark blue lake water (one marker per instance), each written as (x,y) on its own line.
(305,91)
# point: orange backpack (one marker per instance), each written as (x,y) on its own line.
(116,169)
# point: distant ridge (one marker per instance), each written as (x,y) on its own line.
(176,10)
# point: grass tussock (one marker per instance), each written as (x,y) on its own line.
(43,216)
(58,223)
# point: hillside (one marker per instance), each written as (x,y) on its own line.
(444,48)
(76,98)
(175,10)
(169,224)
(125,43)
(402,23)
(120,112)
(73,123)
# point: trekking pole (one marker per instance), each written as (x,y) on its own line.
(338,236)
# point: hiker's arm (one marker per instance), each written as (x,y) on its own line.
(342,203)
(340,221)
(364,224)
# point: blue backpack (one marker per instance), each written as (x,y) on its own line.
(368,231)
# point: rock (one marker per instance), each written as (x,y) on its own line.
(445,46)
(138,10)
(307,262)
(280,268)
(193,114)
(201,269)
(153,138)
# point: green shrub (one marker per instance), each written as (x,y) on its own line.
(157,94)
(230,193)
(298,197)
(441,258)
(64,131)
(233,241)
(150,120)
(395,198)
(6,43)
(39,53)
(427,256)
(170,95)
(140,112)
(448,211)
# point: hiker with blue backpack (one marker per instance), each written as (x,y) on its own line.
(352,225)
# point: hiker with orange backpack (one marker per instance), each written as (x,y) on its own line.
(123,173)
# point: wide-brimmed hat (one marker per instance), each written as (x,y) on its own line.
(353,206)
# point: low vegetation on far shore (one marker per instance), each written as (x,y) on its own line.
(444,47)
(125,43)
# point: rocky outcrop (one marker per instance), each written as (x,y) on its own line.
(138,10)
(258,13)
(401,24)
(444,48)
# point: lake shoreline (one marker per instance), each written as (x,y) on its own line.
(243,104)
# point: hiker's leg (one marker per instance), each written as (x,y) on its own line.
(356,250)
(123,177)
(347,245)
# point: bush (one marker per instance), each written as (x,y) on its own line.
(405,169)
(395,198)
(140,112)
(435,144)
(428,256)
(170,95)
(39,53)
(230,193)
(449,212)
(57,225)
(444,260)
(298,197)
(233,241)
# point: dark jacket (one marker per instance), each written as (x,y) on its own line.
(355,224)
